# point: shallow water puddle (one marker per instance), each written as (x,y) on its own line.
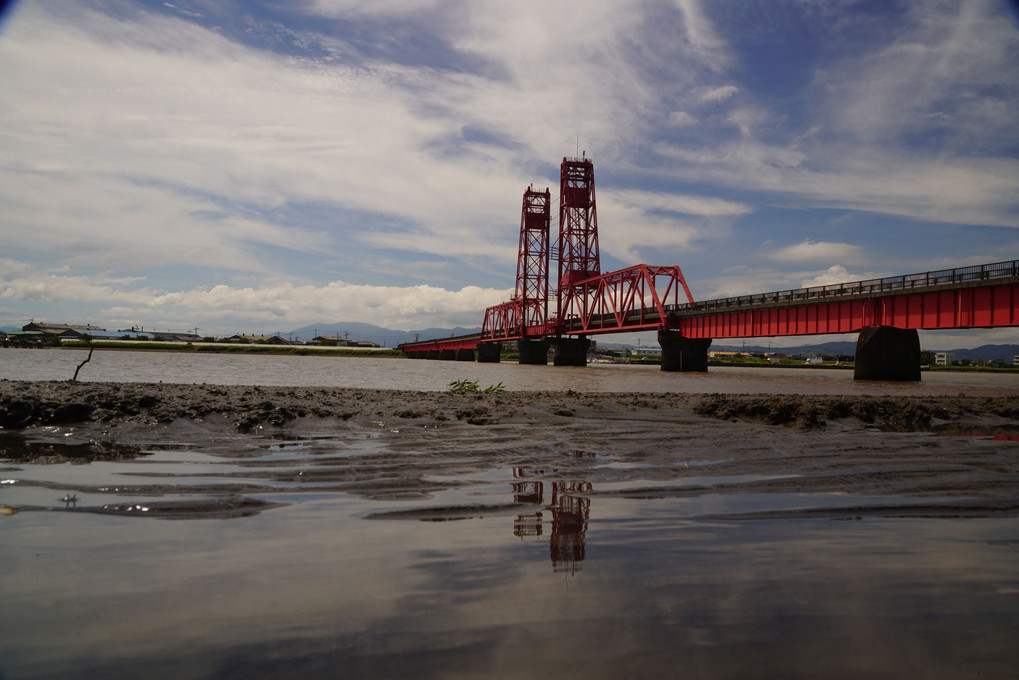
(576,565)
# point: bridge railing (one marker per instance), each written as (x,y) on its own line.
(944,277)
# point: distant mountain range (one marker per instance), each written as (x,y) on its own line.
(366,332)
(982,353)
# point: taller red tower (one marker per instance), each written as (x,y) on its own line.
(578,227)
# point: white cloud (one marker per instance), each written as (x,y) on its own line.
(219,308)
(178,134)
(818,251)
(716,93)
(30,285)
(923,126)
(746,280)
(221,126)
(896,182)
(682,119)
(701,35)
(345,8)
(951,69)
(139,141)
(833,275)
(706,206)
(632,220)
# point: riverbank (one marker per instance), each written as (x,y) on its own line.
(40,403)
(951,447)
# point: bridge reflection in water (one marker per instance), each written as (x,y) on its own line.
(569,508)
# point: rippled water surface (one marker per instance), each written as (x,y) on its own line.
(494,572)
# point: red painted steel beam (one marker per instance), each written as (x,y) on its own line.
(629,299)
(986,306)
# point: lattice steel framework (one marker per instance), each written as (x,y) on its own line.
(578,225)
(527,312)
(587,301)
(635,298)
(533,257)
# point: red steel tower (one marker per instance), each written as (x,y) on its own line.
(578,223)
(578,228)
(532,262)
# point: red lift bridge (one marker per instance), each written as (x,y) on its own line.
(582,300)
(585,300)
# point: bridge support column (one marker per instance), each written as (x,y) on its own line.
(465,354)
(447,354)
(533,352)
(683,354)
(570,351)
(433,354)
(488,352)
(887,353)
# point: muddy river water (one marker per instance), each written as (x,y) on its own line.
(571,535)
(403,374)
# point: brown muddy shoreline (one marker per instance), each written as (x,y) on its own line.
(390,445)
(40,403)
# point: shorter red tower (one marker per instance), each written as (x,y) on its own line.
(533,258)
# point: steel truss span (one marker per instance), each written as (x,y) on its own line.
(980,296)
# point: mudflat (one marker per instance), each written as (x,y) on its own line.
(957,451)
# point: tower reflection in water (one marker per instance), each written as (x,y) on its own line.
(569,508)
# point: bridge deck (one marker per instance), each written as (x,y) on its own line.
(978,296)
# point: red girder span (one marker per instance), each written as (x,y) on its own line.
(635,298)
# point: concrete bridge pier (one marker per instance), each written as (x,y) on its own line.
(465,354)
(488,352)
(447,354)
(681,354)
(570,351)
(433,354)
(887,353)
(533,352)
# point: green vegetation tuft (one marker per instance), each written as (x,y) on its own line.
(464,386)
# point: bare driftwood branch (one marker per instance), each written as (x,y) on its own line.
(87,359)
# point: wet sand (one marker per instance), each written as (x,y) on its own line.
(957,453)
(316,532)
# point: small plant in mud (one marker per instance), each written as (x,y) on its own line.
(462,386)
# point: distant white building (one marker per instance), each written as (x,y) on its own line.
(944,358)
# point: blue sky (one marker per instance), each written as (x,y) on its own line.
(262,165)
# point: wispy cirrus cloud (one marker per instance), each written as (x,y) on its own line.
(176,147)
(820,251)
